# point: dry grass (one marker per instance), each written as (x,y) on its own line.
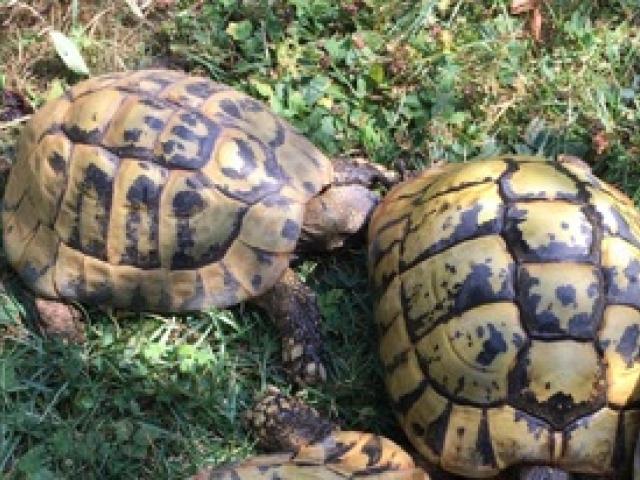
(110,36)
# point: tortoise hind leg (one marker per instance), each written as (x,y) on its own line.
(292,306)
(317,450)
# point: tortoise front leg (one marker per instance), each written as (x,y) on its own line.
(292,306)
(316,448)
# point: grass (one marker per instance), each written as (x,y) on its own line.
(429,81)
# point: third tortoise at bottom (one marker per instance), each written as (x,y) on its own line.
(507,296)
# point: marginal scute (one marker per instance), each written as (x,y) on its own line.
(620,342)
(220,286)
(590,443)
(36,261)
(426,422)
(69,272)
(19,227)
(49,164)
(518,437)
(395,342)
(621,267)
(157,190)
(507,295)
(384,266)
(254,269)
(280,215)
(98,281)
(125,282)
(468,444)
(386,314)
(619,219)
(358,452)
(407,376)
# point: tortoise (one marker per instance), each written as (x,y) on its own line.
(313,448)
(156,190)
(507,296)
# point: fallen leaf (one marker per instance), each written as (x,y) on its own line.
(536,24)
(164,4)
(358,41)
(522,6)
(68,52)
(135,8)
(600,141)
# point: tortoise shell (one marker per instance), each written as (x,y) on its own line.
(157,190)
(340,456)
(508,299)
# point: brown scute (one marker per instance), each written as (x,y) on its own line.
(154,190)
(507,301)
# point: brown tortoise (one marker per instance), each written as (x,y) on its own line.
(508,301)
(156,190)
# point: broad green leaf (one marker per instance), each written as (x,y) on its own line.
(56,89)
(376,72)
(135,8)
(239,31)
(68,52)
(263,89)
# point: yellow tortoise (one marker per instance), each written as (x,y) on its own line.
(508,303)
(156,190)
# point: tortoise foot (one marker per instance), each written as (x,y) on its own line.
(293,307)
(303,362)
(58,319)
(285,423)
